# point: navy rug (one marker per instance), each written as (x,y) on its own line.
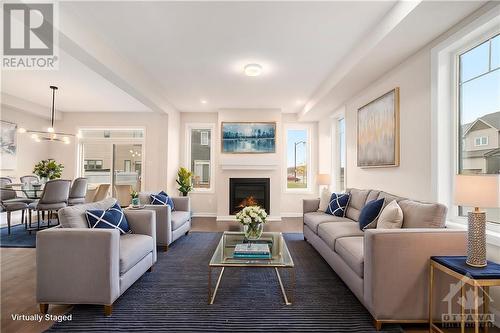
(19,237)
(173,298)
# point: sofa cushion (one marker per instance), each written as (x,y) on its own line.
(338,204)
(372,195)
(391,217)
(145,197)
(314,219)
(422,215)
(74,216)
(111,218)
(179,218)
(389,197)
(356,203)
(161,199)
(324,200)
(350,249)
(329,232)
(370,213)
(170,202)
(133,247)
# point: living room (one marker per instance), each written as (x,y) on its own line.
(276,123)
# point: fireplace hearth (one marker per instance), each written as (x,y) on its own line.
(248,192)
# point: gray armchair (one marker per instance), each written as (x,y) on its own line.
(170,225)
(78,265)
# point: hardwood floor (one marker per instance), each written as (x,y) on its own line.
(18,280)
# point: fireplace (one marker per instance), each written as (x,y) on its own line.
(248,192)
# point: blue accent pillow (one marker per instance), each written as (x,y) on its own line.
(111,218)
(163,199)
(338,204)
(370,212)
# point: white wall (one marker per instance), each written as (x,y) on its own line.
(29,152)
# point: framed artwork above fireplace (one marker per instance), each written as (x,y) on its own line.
(248,137)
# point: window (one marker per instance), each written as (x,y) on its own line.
(341,157)
(204,138)
(479,114)
(199,155)
(298,162)
(92,164)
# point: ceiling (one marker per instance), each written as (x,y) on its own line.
(185,52)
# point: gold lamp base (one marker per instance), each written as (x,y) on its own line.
(476,239)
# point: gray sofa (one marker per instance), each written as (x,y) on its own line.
(387,269)
(170,225)
(78,265)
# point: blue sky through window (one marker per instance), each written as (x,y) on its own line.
(293,136)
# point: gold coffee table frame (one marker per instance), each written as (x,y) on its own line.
(223,257)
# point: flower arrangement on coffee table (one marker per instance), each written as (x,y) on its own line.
(252,218)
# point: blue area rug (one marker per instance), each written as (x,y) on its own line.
(19,237)
(173,298)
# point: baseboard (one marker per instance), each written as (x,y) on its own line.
(291,214)
(229,218)
(204,215)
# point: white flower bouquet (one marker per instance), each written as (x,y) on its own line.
(252,218)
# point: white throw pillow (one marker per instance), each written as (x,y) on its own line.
(391,217)
(324,199)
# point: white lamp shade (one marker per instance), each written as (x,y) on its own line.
(323,179)
(481,191)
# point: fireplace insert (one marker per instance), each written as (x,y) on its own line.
(248,192)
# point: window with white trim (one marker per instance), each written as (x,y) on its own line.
(341,153)
(200,155)
(298,163)
(479,114)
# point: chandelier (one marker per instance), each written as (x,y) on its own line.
(50,134)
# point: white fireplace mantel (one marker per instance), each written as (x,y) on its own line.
(246,163)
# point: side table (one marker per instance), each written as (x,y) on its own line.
(479,278)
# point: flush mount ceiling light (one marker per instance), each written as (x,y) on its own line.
(203,101)
(50,134)
(253,70)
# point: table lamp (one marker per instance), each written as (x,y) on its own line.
(478,191)
(323,179)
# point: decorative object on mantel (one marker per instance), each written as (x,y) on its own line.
(378,132)
(478,191)
(50,134)
(184,181)
(48,170)
(252,218)
(248,137)
(8,145)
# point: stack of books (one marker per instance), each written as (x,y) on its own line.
(252,251)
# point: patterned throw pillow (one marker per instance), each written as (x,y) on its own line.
(162,199)
(338,204)
(111,218)
(370,213)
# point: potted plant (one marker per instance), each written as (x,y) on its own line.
(48,170)
(252,218)
(135,198)
(184,181)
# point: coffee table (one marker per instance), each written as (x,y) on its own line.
(223,258)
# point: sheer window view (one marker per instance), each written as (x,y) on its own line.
(341,150)
(297,156)
(479,86)
(200,157)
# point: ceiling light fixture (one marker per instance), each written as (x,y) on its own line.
(50,134)
(253,70)
(203,101)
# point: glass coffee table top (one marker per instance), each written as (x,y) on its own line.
(223,255)
(280,259)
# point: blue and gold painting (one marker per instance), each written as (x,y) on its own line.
(248,138)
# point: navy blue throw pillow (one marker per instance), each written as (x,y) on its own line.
(163,199)
(111,218)
(338,204)
(370,212)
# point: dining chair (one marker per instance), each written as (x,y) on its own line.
(101,192)
(5,181)
(54,196)
(9,202)
(122,194)
(28,179)
(78,191)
